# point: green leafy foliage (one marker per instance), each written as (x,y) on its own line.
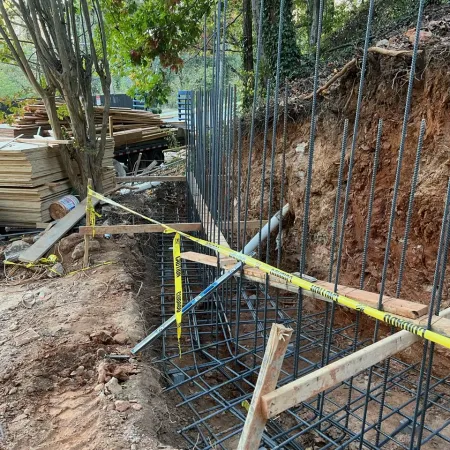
(151,87)
(11,107)
(62,111)
(192,75)
(290,55)
(13,83)
(146,40)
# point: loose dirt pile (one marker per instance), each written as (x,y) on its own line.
(58,388)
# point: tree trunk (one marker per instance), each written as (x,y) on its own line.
(88,149)
(69,163)
(256,11)
(290,54)
(70,45)
(247,55)
(315,7)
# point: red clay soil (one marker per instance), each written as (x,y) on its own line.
(384,97)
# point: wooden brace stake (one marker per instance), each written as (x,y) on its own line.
(312,384)
(88,221)
(267,382)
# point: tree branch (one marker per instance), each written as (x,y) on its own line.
(335,77)
(16,49)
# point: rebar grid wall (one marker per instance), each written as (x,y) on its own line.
(393,405)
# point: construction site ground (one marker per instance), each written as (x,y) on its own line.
(55,382)
(54,333)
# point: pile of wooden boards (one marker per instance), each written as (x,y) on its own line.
(128,126)
(139,135)
(131,126)
(32,177)
(28,123)
(28,206)
(128,119)
(26,164)
(16,131)
(109,173)
(123,118)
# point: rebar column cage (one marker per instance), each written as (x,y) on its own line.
(393,405)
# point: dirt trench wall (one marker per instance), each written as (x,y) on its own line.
(384,97)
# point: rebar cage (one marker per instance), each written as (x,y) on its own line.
(394,404)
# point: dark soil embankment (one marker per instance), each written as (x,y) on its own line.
(384,98)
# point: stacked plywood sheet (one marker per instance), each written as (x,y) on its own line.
(109,153)
(27,206)
(29,165)
(108,179)
(32,177)
(16,131)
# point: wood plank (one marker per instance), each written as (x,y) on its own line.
(64,225)
(310,385)
(403,308)
(399,307)
(145,179)
(144,228)
(200,257)
(267,381)
(87,238)
(396,306)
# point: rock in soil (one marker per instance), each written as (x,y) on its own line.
(26,337)
(13,251)
(122,405)
(67,244)
(78,251)
(113,386)
(120,338)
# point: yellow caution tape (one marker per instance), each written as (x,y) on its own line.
(178,286)
(84,269)
(299,282)
(246,405)
(53,259)
(91,213)
(43,262)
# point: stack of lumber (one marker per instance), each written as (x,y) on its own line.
(127,119)
(140,135)
(129,126)
(109,153)
(27,206)
(109,179)
(36,115)
(29,165)
(123,119)
(32,177)
(109,173)
(15,131)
